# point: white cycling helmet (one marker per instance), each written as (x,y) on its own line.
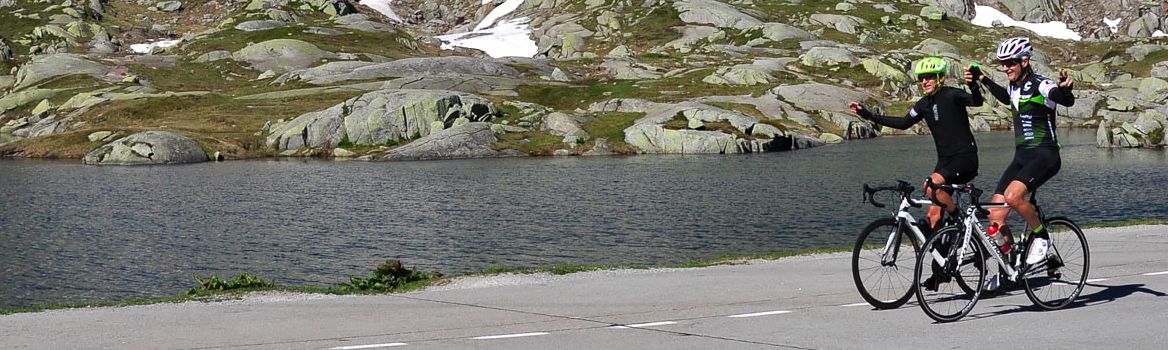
(1014,48)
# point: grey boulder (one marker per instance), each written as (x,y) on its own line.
(147,148)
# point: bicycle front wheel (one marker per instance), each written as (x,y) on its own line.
(882,263)
(948,276)
(1056,281)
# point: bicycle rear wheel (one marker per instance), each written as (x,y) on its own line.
(956,278)
(885,282)
(1056,281)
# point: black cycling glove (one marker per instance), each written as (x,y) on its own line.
(975,71)
(863,112)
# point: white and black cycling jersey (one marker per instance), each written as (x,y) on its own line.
(1033,101)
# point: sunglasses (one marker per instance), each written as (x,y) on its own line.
(1011,63)
(927,76)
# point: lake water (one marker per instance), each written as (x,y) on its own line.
(76,233)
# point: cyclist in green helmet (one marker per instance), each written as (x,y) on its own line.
(943,108)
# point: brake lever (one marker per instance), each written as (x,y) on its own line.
(906,191)
(869,197)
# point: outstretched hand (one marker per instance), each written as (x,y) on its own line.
(973,73)
(856,107)
(1065,80)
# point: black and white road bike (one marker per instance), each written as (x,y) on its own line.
(885,251)
(955,257)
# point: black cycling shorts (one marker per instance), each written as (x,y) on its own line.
(1033,167)
(957,169)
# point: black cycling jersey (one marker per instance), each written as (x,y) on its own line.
(1032,101)
(944,112)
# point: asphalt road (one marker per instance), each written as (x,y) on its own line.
(805,302)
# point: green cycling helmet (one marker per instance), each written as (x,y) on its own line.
(930,65)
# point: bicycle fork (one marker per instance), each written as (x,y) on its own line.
(956,251)
(892,245)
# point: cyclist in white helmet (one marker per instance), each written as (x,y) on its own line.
(1032,98)
(943,108)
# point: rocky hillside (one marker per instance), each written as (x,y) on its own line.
(337,78)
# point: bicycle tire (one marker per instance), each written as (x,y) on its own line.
(1056,281)
(884,286)
(952,300)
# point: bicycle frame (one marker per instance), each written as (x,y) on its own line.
(971,224)
(904,218)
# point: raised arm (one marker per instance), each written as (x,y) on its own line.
(998,91)
(974,98)
(906,122)
(1062,93)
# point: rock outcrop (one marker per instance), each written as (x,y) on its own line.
(148,148)
(381,117)
(469,140)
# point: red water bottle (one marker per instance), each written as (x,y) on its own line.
(1000,240)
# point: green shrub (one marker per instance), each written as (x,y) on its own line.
(389,276)
(1155,137)
(215,284)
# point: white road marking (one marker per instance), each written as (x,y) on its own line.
(370,346)
(1095,280)
(766,313)
(504,336)
(854,305)
(641,325)
(1156,273)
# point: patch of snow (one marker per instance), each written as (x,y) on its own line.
(508,38)
(1159,34)
(382,6)
(1112,23)
(985,17)
(145,48)
(506,8)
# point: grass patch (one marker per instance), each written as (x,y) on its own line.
(395,45)
(72,82)
(531,142)
(555,270)
(216,121)
(827,125)
(212,113)
(740,259)
(576,96)
(611,125)
(16,27)
(654,28)
(1143,68)
(226,76)
(72,145)
(1127,223)
(607,125)
(690,85)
